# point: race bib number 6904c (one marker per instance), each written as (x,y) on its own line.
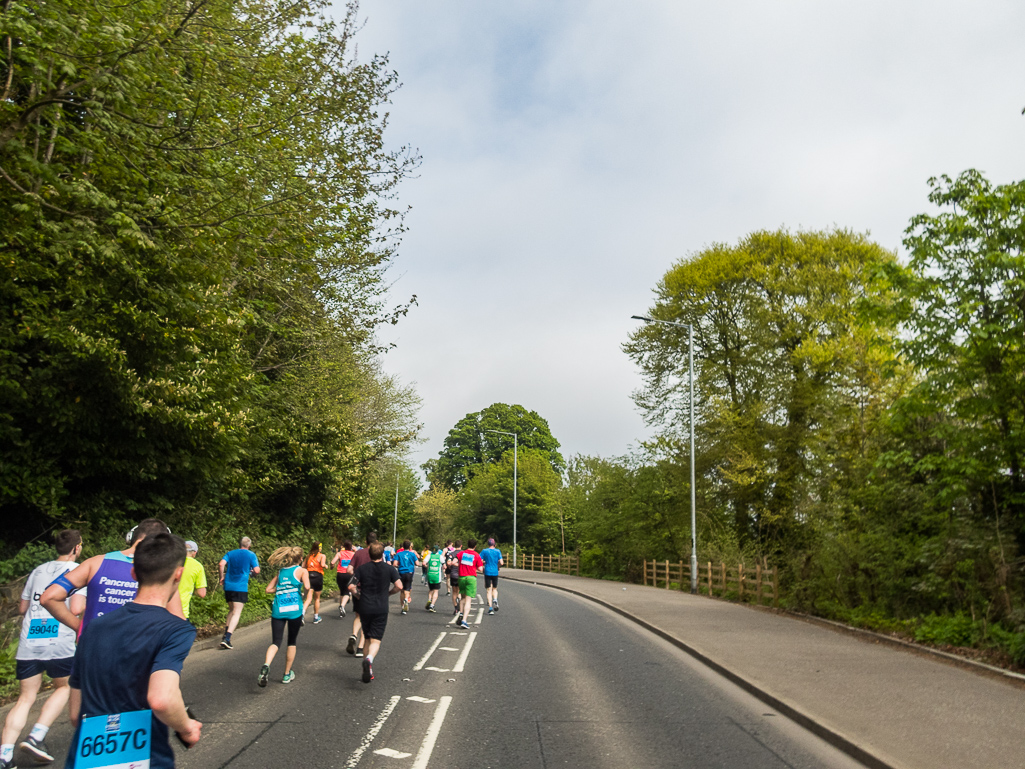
(118,741)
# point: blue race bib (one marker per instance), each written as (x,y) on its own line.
(467,559)
(117,741)
(290,598)
(42,629)
(345,562)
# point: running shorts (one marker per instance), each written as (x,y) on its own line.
(468,586)
(235,596)
(490,580)
(277,629)
(453,578)
(316,581)
(407,580)
(343,581)
(434,586)
(58,668)
(373,625)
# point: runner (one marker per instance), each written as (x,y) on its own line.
(109,579)
(316,562)
(288,608)
(193,578)
(389,552)
(469,564)
(434,566)
(444,559)
(235,569)
(126,678)
(452,567)
(373,583)
(362,556)
(492,558)
(406,562)
(423,564)
(44,646)
(342,559)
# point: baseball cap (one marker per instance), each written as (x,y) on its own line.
(190,545)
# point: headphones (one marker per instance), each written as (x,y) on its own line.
(131,534)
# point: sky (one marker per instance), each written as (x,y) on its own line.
(572,152)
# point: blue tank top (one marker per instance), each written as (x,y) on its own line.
(111,587)
(287,599)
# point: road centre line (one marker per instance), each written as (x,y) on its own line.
(424,755)
(372,733)
(461,662)
(447,649)
(415,698)
(480,617)
(434,648)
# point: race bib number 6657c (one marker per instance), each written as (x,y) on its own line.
(118,741)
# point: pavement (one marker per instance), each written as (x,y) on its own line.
(886,706)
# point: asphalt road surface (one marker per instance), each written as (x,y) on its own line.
(551,680)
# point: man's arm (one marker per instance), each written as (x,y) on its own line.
(54,596)
(75,705)
(23,605)
(164,697)
(220,570)
(396,587)
(201,592)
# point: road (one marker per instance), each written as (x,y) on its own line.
(551,680)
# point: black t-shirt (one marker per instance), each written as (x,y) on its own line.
(374,580)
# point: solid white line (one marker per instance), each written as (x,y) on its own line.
(414,698)
(447,648)
(480,616)
(389,753)
(466,653)
(432,734)
(378,724)
(434,648)
(437,670)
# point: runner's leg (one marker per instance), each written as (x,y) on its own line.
(55,702)
(18,715)
(236,612)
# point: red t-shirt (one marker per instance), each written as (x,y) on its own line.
(469,561)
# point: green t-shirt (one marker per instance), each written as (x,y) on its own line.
(193,577)
(434,568)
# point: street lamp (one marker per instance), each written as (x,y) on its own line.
(516,441)
(693,497)
(395,521)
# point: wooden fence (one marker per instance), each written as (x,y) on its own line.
(756,584)
(560,564)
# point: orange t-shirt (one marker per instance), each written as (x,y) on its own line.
(315,562)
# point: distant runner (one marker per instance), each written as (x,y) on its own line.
(362,556)
(235,569)
(469,564)
(193,577)
(288,586)
(373,583)
(452,567)
(316,562)
(125,682)
(406,562)
(433,564)
(46,646)
(342,576)
(492,558)
(424,555)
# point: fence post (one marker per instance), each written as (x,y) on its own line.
(740,580)
(667,574)
(709,579)
(775,586)
(681,575)
(758,573)
(645,572)
(722,572)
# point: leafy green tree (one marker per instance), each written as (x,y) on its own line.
(434,514)
(386,478)
(470,445)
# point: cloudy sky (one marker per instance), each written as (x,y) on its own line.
(572,151)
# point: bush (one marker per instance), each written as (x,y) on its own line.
(956,630)
(25,560)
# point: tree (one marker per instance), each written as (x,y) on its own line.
(470,446)
(434,513)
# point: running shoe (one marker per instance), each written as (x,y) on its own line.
(317,619)
(455,611)
(8,764)
(495,604)
(38,749)
(289,677)
(226,644)
(428,606)
(464,626)
(359,652)
(459,618)
(432,610)
(350,646)
(491,612)
(261,679)
(368,671)
(405,606)
(341,612)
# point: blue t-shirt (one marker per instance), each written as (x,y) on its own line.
(491,556)
(115,659)
(236,573)
(407,561)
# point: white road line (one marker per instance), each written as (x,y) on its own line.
(430,651)
(453,620)
(414,698)
(369,738)
(447,649)
(424,755)
(480,617)
(438,670)
(389,753)
(461,662)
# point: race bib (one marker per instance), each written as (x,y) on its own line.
(118,741)
(42,630)
(467,559)
(344,563)
(290,598)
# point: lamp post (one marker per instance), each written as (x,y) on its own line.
(395,521)
(693,497)
(516,441)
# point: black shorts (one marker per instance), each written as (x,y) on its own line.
(373,625)
(343,578)
(277,629)
(58,668)
(235,596)
(316,581)
(453,579)
(490,581)
(434,586)
(407,580)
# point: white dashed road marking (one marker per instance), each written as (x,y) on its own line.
(424,755)
(372,733)
(461,662)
